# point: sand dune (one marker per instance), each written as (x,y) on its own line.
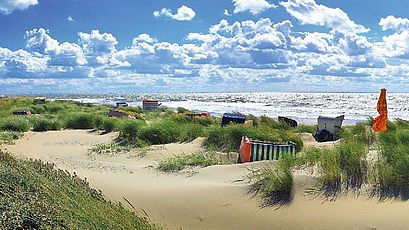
(212,198)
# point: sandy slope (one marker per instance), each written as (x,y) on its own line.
(213,198)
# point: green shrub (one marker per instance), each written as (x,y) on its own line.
(80,121)
(204,121)
(109,125)
(38,109)
(129,130)
(98,121)
(54,107)
(270,122)
(163,132)
(18,124)
(180,118)
(43,124)
(177,163)
(182,110)
(191,132)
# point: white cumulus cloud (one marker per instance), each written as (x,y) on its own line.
(393,23)
(8,6)
(253,6)
(309,12)
(184,13)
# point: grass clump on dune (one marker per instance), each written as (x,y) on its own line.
(274,181)
(34,195)
(180,162)
(393,166)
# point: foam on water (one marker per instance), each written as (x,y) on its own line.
(303,107)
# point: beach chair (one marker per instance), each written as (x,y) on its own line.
(233,118)
(328,128)
(255,150)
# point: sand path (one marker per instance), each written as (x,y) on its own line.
(212,198)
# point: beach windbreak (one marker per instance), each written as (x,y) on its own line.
(380,123)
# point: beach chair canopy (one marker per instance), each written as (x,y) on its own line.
(233,118)
(150,105)
(256,150)
(121,103)
(328,128)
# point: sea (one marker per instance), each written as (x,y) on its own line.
(303,107)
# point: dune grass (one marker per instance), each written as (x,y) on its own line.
(34,195)
(180,162)
(273,181)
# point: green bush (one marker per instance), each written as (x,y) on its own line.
(18,124)
(98,121)
(38,109)
(81,121)
(54,107)
(43,124)
(163,132)
(205,121)
(129,129)
(180,118)
(182,110)
(191,132)
(109,125)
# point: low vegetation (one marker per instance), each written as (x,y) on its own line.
(274,181)
(180,162)
(34,195)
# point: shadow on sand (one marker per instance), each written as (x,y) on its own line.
(277,200)
(383,193)
(331,191)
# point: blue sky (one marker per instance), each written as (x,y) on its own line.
(100,46)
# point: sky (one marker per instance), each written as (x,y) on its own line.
(131,46)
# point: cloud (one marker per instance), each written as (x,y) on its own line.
(70,19)
(253,6)
(226,13)
(249,54)
(66,54)
(184,13)
(8,6)
(309,12)
(392,23)
(97,43)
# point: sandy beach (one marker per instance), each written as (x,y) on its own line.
(215,197)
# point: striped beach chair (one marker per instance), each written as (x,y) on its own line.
(254,150)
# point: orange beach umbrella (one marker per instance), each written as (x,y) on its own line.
(380,122)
